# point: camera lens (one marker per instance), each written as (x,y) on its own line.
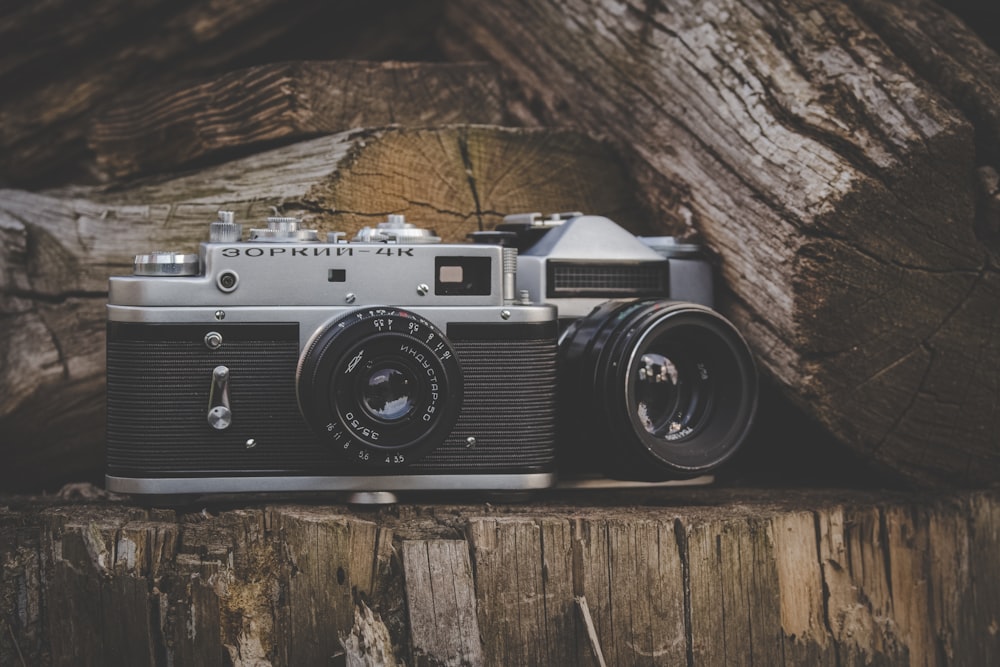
(381,385)
(654,389)
(388,394)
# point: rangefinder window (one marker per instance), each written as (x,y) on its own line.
(462,276)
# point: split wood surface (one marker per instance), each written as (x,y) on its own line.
(695,577)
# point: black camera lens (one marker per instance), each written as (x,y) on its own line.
(381,385)
(654,390)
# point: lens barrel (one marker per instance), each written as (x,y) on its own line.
(653,390)
(382,385)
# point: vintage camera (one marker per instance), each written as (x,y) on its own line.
(393,362)
(653,383)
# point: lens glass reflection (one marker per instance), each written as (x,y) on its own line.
(662,395)
(389,394)
(656,392)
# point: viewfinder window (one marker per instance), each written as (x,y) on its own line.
(463,276)
(451,274)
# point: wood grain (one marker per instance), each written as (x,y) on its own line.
(66,64)
(696,576)
(441,602)
(239,112)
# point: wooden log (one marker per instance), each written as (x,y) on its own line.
(160,130)
(837,186)
(59,248)
(694,576)
(65,63)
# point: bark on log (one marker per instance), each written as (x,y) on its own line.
(64,63)
(836,184)
(58,249)
(242,111)
(696,577)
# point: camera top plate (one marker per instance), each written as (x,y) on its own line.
(286,265)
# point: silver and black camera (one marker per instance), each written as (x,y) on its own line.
(281,362)
(653,383)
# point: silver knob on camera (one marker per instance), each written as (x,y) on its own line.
(395,230)
(165,264)
(538,220)
(283,230)
(225,229)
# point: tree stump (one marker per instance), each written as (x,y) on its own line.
(683,576)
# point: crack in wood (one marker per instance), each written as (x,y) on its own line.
(463,148)
(680,538)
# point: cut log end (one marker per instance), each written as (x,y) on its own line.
(466,179)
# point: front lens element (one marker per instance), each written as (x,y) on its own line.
(388,394)
(663,395)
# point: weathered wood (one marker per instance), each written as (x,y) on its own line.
(836,185)
(949,56)
(332,563)
(369,644)
(963,69)
(244,110)
(441,603)
(693,576)
(58,249)
(588,624)
(64,63)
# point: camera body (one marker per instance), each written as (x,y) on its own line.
(654,384)
(282,363)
